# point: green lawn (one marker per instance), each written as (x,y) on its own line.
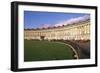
(46,50)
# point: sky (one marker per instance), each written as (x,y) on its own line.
(36,19)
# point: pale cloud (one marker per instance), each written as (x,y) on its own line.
(45,26)
(73,20)
(70,21)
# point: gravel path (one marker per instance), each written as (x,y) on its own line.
(82,48)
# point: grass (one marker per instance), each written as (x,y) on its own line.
(46,50)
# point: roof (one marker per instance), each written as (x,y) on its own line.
(78,23)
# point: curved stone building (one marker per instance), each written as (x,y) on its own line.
(75,31)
